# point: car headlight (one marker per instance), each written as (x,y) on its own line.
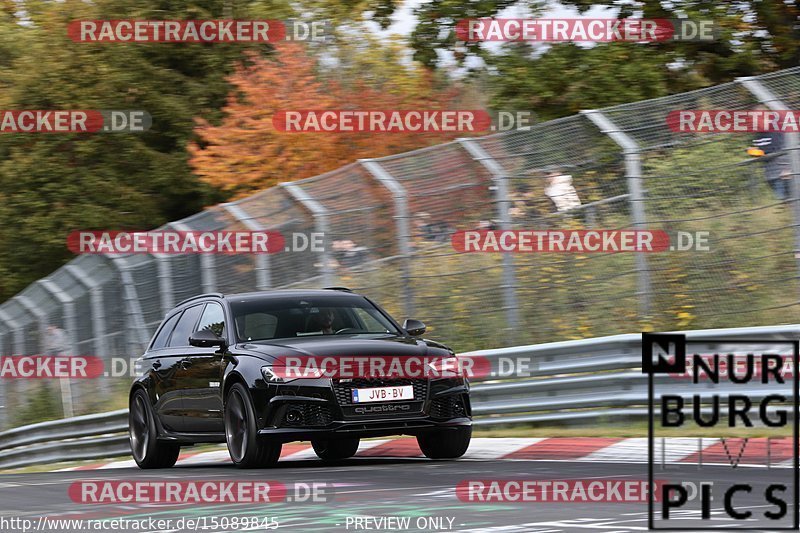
(273,377)
(445,367)
(279,373)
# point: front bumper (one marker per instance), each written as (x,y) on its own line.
(363,430)
(303,412)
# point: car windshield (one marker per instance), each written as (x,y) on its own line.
(296,316)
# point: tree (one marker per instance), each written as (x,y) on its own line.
(756,36)
(753,37)
(52,184)
(591,78)
(246,152)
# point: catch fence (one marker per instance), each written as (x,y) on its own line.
(387,225)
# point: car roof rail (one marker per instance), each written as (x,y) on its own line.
(206,295)
(343,289)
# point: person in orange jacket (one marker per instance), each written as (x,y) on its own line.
(769,144)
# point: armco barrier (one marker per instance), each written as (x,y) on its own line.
(69,439)
(573,381)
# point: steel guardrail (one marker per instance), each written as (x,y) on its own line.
(576,381)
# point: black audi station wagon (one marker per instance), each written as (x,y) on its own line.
(209,376)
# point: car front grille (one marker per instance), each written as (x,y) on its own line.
(317,415)
(447,408)
(306,415)
(343,390)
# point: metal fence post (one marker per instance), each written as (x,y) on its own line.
(137,336)
(263,274)
(3,404)
(208,267)
(208,272)
(68,305)
(165,290)
(633,175)
(41,322)
(41,316)
(403,226)
(96,303)
(321,223)
(18,336)
(98,319)
(70,327)
(792,146)
(3,396)
(18,333)
(500,179)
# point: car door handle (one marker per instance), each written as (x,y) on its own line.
(156,364)
(186,363)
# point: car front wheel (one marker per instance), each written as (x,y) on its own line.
(445,444)
(147,451)
(245,447)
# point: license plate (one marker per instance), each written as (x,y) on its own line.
(383,394)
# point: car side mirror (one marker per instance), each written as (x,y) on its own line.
(206,338)
(415,328)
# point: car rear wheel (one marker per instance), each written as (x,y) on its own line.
(246,448)
(147,451)
(445,444)
(335,449)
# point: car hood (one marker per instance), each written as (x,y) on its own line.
(328,346)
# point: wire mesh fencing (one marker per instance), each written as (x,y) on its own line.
(387,225)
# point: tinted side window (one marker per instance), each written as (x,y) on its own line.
(213,318)
(185,327)
(257,326)
(163,334)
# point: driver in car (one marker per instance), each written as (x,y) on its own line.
(322,322)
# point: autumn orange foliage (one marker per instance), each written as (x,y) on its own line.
(246,152)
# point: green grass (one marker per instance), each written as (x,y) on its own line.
(743,280)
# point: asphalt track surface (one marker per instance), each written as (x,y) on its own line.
(377,487)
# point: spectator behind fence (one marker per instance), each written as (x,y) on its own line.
(561,192)
(769,144)
(348,254)
(56,341)
(429,230)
